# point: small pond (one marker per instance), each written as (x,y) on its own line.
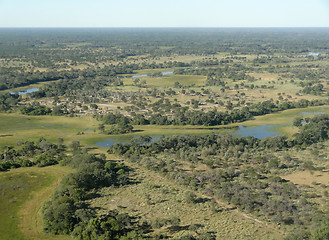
(31,90)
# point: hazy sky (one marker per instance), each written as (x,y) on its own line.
(164,13)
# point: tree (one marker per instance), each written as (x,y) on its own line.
(75,145)
(93,106)
(101,127)
(137,81)
(297,122)
(320,233)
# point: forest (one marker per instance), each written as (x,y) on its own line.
(164,133)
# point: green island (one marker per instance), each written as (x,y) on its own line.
(164,134)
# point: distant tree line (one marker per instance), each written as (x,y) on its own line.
(183,116)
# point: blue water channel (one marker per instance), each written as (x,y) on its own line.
(31,90)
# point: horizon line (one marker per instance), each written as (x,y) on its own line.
(155,27)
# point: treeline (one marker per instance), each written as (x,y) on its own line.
(121,124)
(25,154)
(15,79)
(8,101)
(177,115)
(36,108)
(239,169)
(87,45)
(19,77)
(68,213)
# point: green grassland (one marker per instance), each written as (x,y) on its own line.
(23,192)
(169,81)
(166,81)
(16,127)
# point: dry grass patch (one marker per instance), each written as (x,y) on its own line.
(308,177)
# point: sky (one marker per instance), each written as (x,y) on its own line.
(164,13)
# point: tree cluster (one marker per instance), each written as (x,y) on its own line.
(68,213)
(29,153)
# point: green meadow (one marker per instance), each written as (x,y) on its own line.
(23,192)
(15,127)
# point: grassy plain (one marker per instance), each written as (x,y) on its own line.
(166,81)
(23,192)
(14,127)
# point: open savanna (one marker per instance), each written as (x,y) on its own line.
(313,176)
(154,198)
(23,191)
(309,178)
